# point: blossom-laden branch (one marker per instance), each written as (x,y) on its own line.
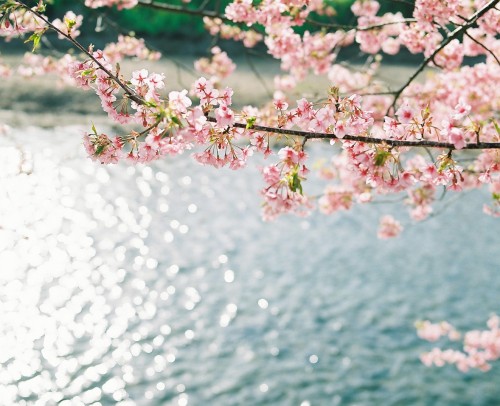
(452,37)
(309,135)
(88,52)
(453,111)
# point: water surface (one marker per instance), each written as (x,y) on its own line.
(160,285)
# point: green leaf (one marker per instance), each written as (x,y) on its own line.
(250,122)
(444,164)
(35,38)
(8,4)
(381,157)
(497,127)
(176,120)
(99,150)
(41,8)
(93,129)
(294,183)
(70,24)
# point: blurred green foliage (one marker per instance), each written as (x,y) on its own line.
(143,20)
(155,22)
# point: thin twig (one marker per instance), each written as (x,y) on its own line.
(484,46)
(455,34)
(129,92)
(257,74)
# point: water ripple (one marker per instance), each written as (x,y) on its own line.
(159,285)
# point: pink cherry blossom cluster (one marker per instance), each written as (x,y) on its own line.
(172,125)
(249,37)
(473,85)
(434,331)
(339,116)
(4,129)
(121,4)
(480,347)
(455,106)
(36,65)
(386,38)
(425,35)
(69,24)
(389,227)
(348,81)
(272,12)
(218,66)
(335,198)
(435,11)
(128,46)
(162,119)
(20,22)
(359,172)
(5,70)
(222,138)
(283,191)
(298,54)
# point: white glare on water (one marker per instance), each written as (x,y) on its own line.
(69,330)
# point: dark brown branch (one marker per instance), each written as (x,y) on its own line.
(368,140)
(455,34)
(483,46)
(357,28)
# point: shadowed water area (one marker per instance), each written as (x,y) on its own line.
(160,285)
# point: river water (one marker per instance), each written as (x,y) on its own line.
(160,285)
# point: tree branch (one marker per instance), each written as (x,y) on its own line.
(455,34)
(368,140)
(483,46)
(357,28)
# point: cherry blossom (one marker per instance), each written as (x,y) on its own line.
(389,227)
(109,3)
(480,347)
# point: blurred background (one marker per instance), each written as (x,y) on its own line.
(147,21)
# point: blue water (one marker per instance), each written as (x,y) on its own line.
(161,285)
